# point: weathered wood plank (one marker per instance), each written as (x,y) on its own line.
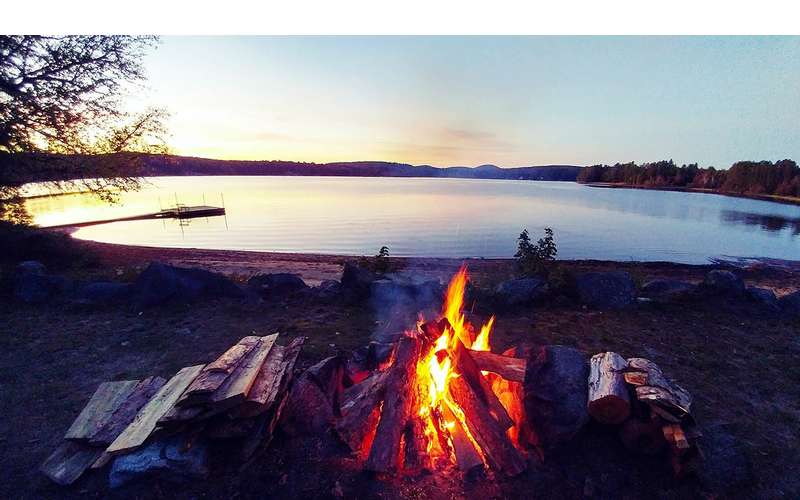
(508,367)
(97,412)
(665,397)
(126,412)
(237,386)
(215,373)
(69,461)
(145,421)
(609,402)
(273,379)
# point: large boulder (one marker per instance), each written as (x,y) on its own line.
(33,285)
(519,292)
(276,284)
(764,297)
(606,290)
(168,459)
(328,290)
(103,293)
(161,283)
(556,390)
(723,283)
(356,281)
(790,304)
(667,290)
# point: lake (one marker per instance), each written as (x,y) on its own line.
(437,218)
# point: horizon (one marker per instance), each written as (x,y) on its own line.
(471,101)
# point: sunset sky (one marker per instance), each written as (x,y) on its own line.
(471,100)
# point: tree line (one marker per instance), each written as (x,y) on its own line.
(781,178)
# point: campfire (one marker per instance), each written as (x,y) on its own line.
(444,399)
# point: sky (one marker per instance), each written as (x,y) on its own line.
(508,101)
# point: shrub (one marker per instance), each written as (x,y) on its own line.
(536,259)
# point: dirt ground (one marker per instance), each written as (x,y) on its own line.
(740,366)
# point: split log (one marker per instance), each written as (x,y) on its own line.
(359,417)
(124,415)
(642,435)
(272,381)
(98,411)
(483,427)
(467,458)
(666,398)
(261,437)
(308,410)
(215,373)
(145,421)
(182,414)
(328,374)
(507,367)
(674,435)
(465,366)
(397,406)
(66,464)
(609,402)
(237,386)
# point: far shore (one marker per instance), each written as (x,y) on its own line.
(786,200)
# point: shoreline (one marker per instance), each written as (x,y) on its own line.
(783,200)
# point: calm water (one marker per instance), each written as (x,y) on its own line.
(439,217)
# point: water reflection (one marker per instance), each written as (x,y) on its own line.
(767,222)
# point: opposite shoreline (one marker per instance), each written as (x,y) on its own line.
(784,200)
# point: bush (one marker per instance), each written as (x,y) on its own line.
(536,259)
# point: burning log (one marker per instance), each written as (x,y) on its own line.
(609,402)
(492,440)
(465,366)
(508,367)
(397,407)
(467,458)
(359,415)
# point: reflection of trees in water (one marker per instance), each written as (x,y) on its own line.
(768,222)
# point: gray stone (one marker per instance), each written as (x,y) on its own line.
(522,291)
(764,297)
(39,288)
(556,391)
(103,293)
(161,283)
(30,267)
(167,459)
(667,290)
(277,284)
(328,290)
(790,304)
(356,280)
(606,290)
(721,282)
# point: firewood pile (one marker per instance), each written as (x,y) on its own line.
(239,395)
(650,410)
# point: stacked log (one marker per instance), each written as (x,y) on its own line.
(239,394)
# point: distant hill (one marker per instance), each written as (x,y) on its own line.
(182,165)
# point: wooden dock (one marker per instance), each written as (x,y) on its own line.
(176,212)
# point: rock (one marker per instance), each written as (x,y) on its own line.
(161,283)
(308,410)
(522,291)
(726,468)
(605,290)
(168,458)
(790,304)
(720,282)
(103,293)
(38,288)
(328,289)
(277,284)
(667,290)
(556,390)
(30,267)
(764,297)
(356,280)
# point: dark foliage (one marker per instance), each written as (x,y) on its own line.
(535,259)
(780,178)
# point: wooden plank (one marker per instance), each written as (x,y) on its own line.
(273,379)
(178,414)
(69,461)
(145,421)
(215,373)
(508,367)
(237,386)
(127,411)
(97,412)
